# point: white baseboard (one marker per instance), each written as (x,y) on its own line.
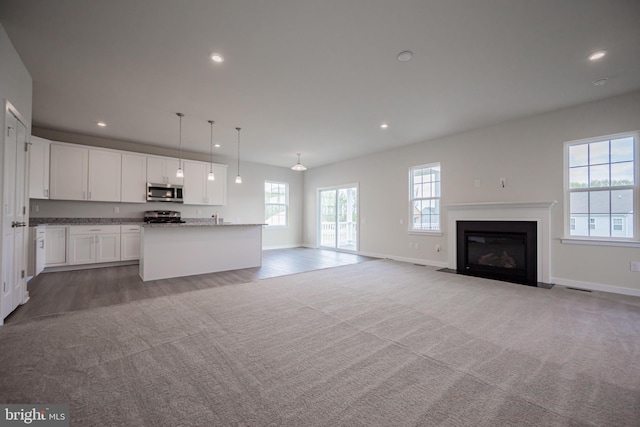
(88,266)
(439,264)
(595,286)
(270,248)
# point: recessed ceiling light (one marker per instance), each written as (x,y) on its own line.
(216,57)
(405,56)
(384,126)
(597,55)
(101,124)
(600,82)
(216,145)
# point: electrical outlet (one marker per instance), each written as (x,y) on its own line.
(635,266)
(401,221)
(116,209)
(417,245)
(198,211)
(476,183)
(410,245)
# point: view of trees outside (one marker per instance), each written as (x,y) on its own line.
(602,186)
(275,199)
(339,218)
(425,198)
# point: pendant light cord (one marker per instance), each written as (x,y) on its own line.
(211,164)
(180,139)
(238,129)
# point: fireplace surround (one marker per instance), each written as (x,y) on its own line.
(538,212)
(503,250)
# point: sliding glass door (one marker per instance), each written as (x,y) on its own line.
(338,218)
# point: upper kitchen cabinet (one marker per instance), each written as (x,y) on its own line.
(198,190)
(162,170)
(69,172)
(134,178)
(104,175)
(39,168)
(81,173)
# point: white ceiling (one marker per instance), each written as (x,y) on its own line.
(314,76)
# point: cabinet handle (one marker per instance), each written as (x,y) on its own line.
(42,244)
(46,193)
(96,229)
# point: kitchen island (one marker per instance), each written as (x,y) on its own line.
(177,250)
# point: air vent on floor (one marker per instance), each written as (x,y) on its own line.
(581,290)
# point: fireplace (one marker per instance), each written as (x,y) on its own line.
(503,250)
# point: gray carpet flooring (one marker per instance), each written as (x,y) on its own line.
(381,343)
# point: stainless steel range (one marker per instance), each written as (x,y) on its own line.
(163,217)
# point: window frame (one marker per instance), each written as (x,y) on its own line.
(286,204)
(410,228)
(603,240)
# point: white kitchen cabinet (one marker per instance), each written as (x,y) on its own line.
(162,170)
(55,246)
(104,175)
(94,244)
(81,173)
(134,178)
(129,242)
(36,250)
(217,190)
(198,190)
(39,168)
(69,172)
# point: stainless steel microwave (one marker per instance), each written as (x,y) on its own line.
(164,193)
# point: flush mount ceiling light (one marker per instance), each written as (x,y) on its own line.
(597,55)
(384,126)
(101,124)
(405,56)
(211,176)
(299,167)
(216,57)
(600,82)
(180,172)
(238,178)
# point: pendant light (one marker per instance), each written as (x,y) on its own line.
(299,167)
(211,176)
(180,172)
(238,178)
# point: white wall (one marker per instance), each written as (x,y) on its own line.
(15,81)
(527,152)
(245,202)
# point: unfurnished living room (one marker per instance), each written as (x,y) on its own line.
(320,213)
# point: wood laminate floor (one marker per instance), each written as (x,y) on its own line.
(64,291)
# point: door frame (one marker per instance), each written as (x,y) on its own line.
(355,185)
(9,108)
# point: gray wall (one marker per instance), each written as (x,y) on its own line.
(245,202)
(528,152)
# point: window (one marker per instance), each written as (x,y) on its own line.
(424,188)
(276,203)
(602,187)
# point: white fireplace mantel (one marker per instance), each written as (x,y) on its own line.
(540,212)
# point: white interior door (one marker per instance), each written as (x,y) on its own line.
(14,221)
(338,217)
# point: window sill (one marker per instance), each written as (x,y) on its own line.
(601,242)
(425,233)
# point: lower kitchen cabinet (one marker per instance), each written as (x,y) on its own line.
(94,244)
(55,246)
(129,242)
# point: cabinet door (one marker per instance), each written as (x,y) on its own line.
(194,190)
(39,168)
(68,173)
(217,189)
(55,246)
(134,178)
(104,175)
(107,247)
(82,248)
(130,246)
(40,253)
(155,170)
(171,167)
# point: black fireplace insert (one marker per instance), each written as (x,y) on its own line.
(502,250)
